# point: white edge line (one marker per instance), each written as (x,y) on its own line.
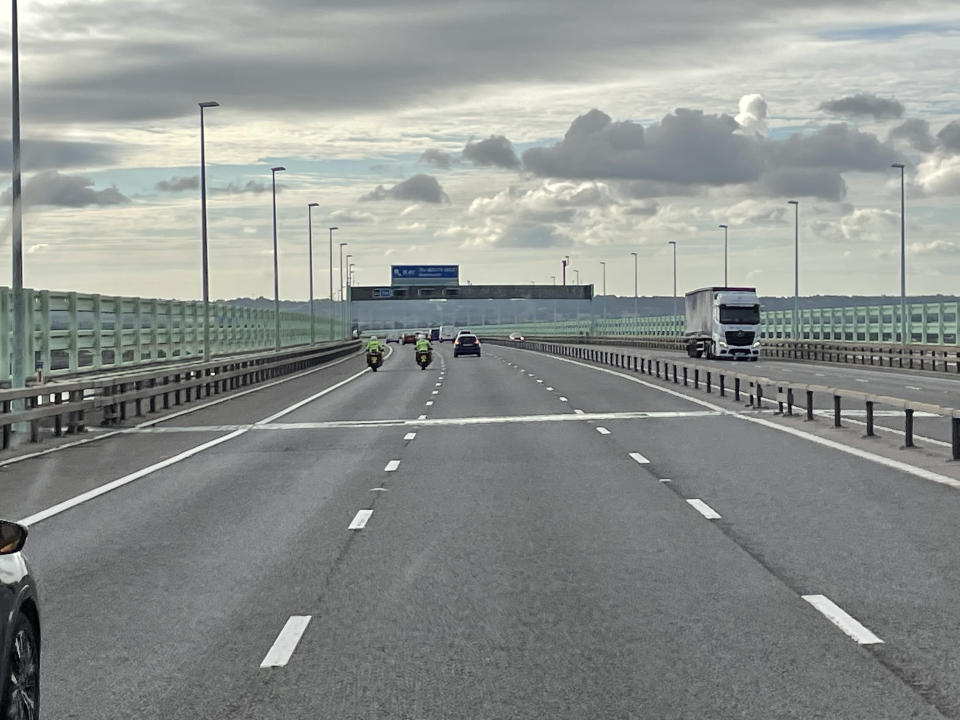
(862,454)
(279,653)
(701,507)
(843,620)
(126,479)
(359,521)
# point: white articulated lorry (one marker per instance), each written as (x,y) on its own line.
(723,322)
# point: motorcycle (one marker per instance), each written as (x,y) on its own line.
(374,359)
(424,358)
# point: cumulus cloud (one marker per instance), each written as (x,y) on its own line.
(352,216)
(916,133)
(752,117)
(688,149)
(862,225)
(178,184)
(253,186)
(949,137)
(939,175)
(418,188)
(437,158)
(495,151)
(53,189)
(864,105)
(556,202)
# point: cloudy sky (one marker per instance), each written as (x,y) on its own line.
(498,135)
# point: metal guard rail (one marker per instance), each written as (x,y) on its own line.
(756,386)
(67,403)
(936,358)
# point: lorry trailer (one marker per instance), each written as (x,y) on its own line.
(723,322)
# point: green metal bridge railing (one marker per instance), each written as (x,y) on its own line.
(927,324)
(73,332)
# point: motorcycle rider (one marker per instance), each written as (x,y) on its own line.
(423,345)
(374,345)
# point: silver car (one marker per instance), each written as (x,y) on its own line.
(19,629)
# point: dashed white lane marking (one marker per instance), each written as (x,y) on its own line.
(378,489)
(843,620)
(639,458)
(435,392)
(429,403)
(665,480)
(437,384)
(701,507)
(820,374)
(409,436)
(911,387)
(563,399)
(392,465)
(578,411)
(603,431)
(550,389)
(861,380)
(281,650)
(360,520)
(539,381)
(421,417)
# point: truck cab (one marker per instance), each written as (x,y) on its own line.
(723,323)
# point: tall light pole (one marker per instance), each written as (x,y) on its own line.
(346,308)
(203,233)
(276,265)
(796,267)
(603,265)
(341,314)
(554,278)
(313,322)
(18,375)
(903,262)
(636,311)
(332,306)
(725,282)
(578,276)
(565,262)
(674,243)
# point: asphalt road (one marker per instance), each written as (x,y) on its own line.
(528,550)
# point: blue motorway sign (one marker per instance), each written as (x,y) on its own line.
(417,274)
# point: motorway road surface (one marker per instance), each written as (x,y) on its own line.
(532,538)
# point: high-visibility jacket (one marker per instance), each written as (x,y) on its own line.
(373,345)
(423,345)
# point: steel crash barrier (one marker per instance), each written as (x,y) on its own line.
(934,358)
(786,394)
(66,406)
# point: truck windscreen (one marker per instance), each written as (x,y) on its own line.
(740,314)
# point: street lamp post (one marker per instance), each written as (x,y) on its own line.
(565,262)
(346,308)
(203,233)
(674,243)
(18,371)
(725,281)
(332,306)
(796,267)
(636,311)
(578,276)
(313,322)
(903,262)
(341,314)
(276,265)
(603,310)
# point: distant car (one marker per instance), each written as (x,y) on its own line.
(19,629)
(517,337)
(434,335)
(447,333)
(394,340)
(466,344)
(409,339)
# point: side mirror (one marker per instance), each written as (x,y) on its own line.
(12,537)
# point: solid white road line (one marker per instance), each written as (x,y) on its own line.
(603,431)
(392,465)
(816,439)
(150,469)
(125,480)
(708,512)
(409,436)
(846,622)
(360,520)
(639,458)
(286,642)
